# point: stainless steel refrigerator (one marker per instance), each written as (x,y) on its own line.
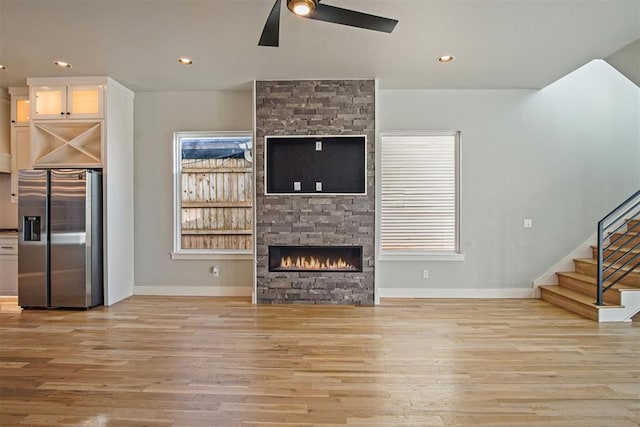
(60,238)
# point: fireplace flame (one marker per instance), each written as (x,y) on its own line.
(313,263)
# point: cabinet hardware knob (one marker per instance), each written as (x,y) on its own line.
(6,247)
(13,121)
(62,113)
(68,113)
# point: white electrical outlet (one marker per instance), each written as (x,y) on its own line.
(425,274)
(215,271)
(318,186)
(527,223)
(318,145)
(297,186)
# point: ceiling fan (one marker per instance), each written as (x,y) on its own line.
(312,9)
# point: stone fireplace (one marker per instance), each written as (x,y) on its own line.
(315,248)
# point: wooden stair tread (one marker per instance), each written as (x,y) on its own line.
(592,280)
(583,299)
(619,248)
(627,231)
(595,262)
(578,276)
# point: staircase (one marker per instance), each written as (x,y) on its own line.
(577,291)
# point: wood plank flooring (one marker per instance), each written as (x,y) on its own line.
(166,361)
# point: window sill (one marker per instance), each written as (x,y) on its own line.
(420,256)
(230,256)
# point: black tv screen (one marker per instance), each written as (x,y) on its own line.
(316,164)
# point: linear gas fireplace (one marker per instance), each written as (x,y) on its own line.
(315,258)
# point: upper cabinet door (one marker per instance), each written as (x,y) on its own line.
(49,103)
(20,110)
(84,102)
(66,102)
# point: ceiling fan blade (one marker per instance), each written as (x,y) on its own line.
(271,32)
(338,15)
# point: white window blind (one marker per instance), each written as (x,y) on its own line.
(419,193)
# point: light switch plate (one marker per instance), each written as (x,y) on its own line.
(527,223)
(318,145)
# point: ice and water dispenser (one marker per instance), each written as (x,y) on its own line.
(31,229)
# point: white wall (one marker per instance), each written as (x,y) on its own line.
(157,116)
(563,156)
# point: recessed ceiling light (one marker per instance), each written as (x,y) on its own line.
(301,7)
(2,68)
(61,64)
(445,58)
(185,61)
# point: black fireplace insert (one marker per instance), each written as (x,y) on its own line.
(315,258)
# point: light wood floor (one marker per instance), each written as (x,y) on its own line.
(159,361)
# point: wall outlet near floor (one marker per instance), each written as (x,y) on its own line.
(425,274)
(214,270)
(527,223)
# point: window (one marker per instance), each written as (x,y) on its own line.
(420,183)
(213,195)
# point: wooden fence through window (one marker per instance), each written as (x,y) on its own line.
(217,197)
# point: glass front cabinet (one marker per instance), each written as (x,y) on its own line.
(67,102)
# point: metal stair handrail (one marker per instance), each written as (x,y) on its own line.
(617,221)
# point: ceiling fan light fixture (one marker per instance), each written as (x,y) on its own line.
(61,64)
(301,7)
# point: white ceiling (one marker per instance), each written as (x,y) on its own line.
(497,44)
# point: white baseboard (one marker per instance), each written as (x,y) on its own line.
(195,291)
(246,291)
(454,293)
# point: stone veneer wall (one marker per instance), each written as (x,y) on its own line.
(315,107)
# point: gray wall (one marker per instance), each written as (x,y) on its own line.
(157,116)
(627,61)
(563,156)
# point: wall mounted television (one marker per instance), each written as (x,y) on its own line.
(316,164)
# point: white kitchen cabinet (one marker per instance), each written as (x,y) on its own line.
(9,266)
(97,133)
(20,106)
(5,135)
(70,143)
(72,102)
(20,156)
(20,136)
(68,121)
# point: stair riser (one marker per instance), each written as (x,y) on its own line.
(621,255)
(633,223)
(589,289)
(569,304)
(625,241)
(589,269)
